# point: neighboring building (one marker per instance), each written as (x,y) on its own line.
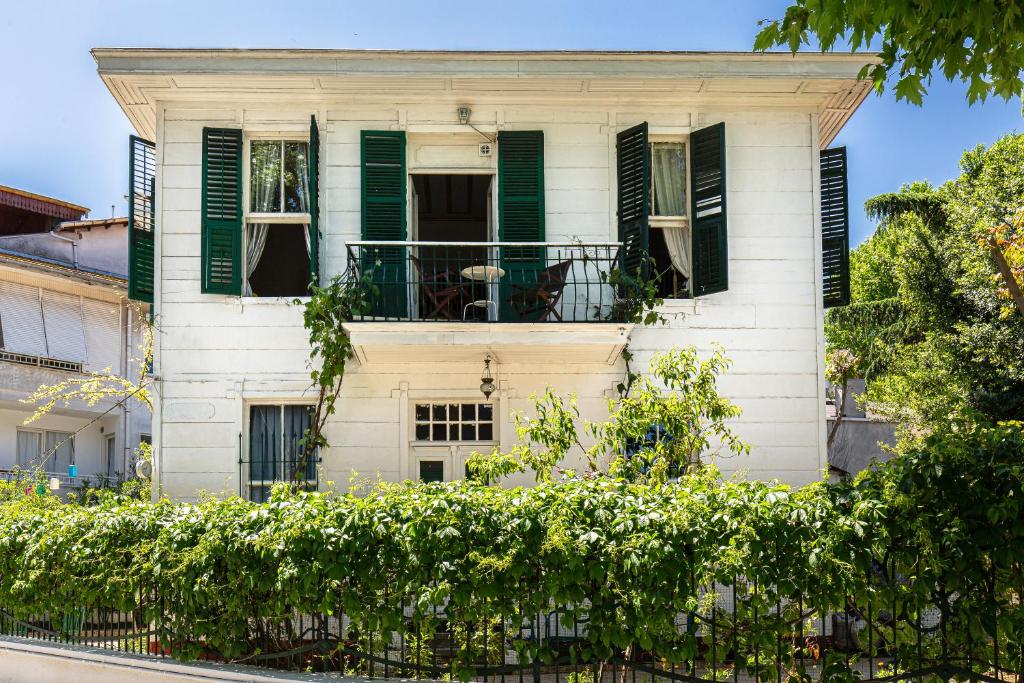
(24,212)
(427,172)
(64,312)
(862,439)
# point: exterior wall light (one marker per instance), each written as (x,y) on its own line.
(487,385)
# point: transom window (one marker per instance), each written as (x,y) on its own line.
(454,421)
(275,452)
(277,242)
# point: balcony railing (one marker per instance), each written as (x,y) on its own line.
(487,281)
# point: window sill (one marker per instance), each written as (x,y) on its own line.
(422,444)
(271,300)
(668,221)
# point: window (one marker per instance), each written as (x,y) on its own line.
(111,457)
(668,179)
(275,451)
(669,244)
(277,239)
(454,422)
(431,471)
(57,447)
(30,448)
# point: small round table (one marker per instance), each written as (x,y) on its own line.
(487,275)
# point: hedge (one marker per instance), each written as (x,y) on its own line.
(944,520)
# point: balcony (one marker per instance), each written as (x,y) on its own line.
(515,300)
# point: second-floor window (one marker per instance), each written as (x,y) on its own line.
(277,244)
(669,218)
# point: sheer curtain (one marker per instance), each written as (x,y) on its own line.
(265,188)
(668,166)
(301,171)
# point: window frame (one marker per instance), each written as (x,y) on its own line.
(42,432)
(249,483)
(296,220)
(683,221)
(249,216)
(413,422)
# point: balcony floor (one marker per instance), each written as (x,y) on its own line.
(462,342)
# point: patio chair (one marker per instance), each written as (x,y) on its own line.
(537,300)
(443,291)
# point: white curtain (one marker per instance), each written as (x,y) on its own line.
(678,242)
(29,449)
(60,458)
(265,186)
(301,171)
(668,167)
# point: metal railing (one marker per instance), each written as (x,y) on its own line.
(528,282)
(740,630)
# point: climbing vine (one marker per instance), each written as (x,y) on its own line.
(324,315)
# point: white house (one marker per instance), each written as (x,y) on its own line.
(484,194)
(65,313)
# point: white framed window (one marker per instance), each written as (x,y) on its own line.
(670,181)
(454,421)
(275,451)
(35,444)
(277,242)
(669,220)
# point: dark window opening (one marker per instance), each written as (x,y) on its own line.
(672,284)
(283,265)
(431,471)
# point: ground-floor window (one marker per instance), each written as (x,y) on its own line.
(466,421)
(111,457)
(276,453)
(54,450)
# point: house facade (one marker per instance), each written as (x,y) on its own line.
(64,314)
(486,199)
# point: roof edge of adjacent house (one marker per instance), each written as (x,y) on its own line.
(10,257)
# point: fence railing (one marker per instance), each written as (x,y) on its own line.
(739,631)
(487,281)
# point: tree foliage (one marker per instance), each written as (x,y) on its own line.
(933,318)
(980,42)
(671,417)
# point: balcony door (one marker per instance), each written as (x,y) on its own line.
(452,212)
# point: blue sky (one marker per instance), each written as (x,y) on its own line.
(62,134)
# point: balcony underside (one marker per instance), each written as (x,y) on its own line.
(468,342)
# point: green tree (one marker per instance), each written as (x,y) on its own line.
(670,418)
(933,317)
(980,42)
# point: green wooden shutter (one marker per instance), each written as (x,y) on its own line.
(222,211)
(141,218)
(835,228)
(520,210)
(314,201)
(384,218)
(633,164)
(708,211)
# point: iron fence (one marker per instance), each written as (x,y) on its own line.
(738,630)
(487,281)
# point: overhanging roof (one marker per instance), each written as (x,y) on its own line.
(139,78)
(41,204)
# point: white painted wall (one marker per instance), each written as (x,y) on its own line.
(216,354)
